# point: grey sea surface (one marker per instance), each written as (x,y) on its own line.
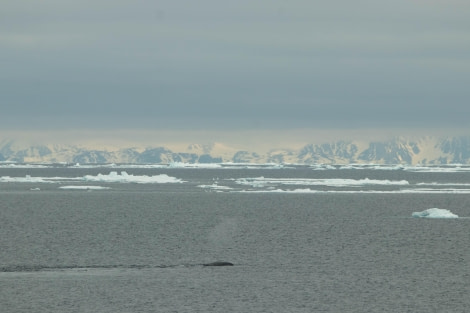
(298,243)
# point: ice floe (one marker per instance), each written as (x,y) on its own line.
(216,187)
(442,168)
(435,213)
(112,177)
(124,177)
(25,179)
(194,165)
(439,168)
(331,182)
(16,165)
(319,167)
(382,167)
(432,190)
(401,191)
(84,187)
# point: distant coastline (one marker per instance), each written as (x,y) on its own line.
(424,150)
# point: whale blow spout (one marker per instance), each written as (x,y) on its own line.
(218,263)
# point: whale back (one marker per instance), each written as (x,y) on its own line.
(218,263)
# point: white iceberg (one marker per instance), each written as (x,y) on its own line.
(435,213)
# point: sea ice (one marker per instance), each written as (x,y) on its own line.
(333,182)
(84,187)
(452,168)
(124,177)
(215,187)
(194,165)
(26,179)
(112,177)
(435,213)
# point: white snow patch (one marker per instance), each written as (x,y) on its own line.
(435,213)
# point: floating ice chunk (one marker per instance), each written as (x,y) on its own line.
(114,177)
(84,187)
(435,213)
(299,190)
(26,179)
(215,187)
(194,165)
(259,182)
(404,191)
(452,168)
(15,165)
(322,167)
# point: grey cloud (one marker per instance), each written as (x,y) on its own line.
(243,64)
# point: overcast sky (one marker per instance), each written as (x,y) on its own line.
(234,65)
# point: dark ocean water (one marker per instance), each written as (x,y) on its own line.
(302,240)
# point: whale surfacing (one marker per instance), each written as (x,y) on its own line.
(218,263)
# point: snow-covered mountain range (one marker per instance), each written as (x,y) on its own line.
(425,150)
